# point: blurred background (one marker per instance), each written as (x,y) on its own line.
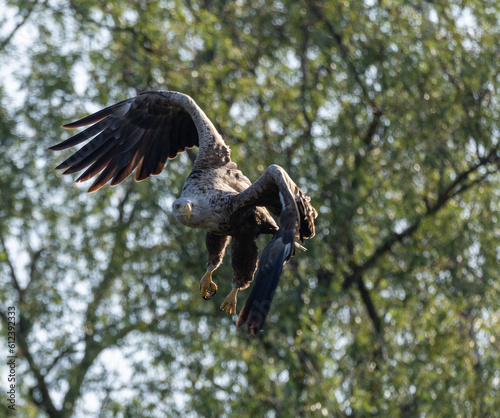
(385,112)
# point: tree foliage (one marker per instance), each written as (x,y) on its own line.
(385,112)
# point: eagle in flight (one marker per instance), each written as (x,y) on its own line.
(141,133)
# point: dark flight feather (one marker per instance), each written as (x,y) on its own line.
(88,154)
(271,262)
(136,134)
(82,136)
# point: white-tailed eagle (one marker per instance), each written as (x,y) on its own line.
(143,132)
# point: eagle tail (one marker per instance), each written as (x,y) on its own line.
(274,256)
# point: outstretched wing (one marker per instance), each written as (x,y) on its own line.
(140,134)
(277,191)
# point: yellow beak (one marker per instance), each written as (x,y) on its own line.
(186,209)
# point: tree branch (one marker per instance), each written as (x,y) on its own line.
(92,347)
(344,53)
(77,375)
(13,276)
(456,187)
(109,274)
(451,191)
(370,307)
(34,258)
(42,398)
(40,392)
(26,17)
(68,350)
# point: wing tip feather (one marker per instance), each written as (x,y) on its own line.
(57,147)
(95,186)
(88,120)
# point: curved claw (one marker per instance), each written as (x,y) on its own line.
(208,288)
(229,304)
(209,295)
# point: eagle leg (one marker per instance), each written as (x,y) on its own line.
(216,247)
(244,254)
(208,288)
(229,303)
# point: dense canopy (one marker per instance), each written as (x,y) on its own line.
(385,113)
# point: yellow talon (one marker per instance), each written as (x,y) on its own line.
(229,303)
(208,288)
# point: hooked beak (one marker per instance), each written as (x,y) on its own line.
(186,209)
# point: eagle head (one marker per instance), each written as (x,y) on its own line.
(182,209)
(196,212)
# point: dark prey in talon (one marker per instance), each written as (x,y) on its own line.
(139,135)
